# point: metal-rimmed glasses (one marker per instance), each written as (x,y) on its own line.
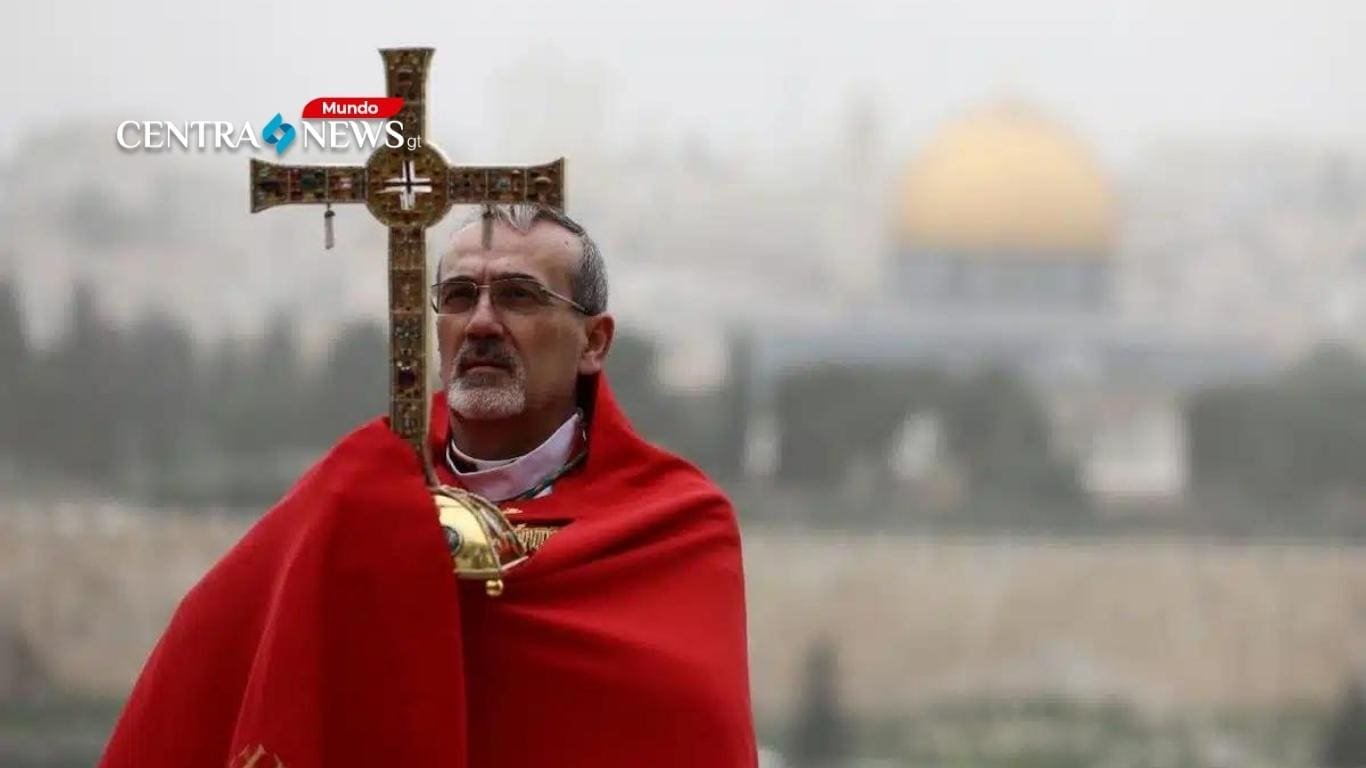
(519,295)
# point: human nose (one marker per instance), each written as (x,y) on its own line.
(484,319)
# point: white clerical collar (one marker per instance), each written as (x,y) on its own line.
(503,479)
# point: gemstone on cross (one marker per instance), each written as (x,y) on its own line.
(408,186)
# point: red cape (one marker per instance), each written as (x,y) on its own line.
(334,633)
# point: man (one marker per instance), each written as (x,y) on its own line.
(334,633)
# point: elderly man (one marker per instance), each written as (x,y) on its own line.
(334,633)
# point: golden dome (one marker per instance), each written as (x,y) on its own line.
(1007,181)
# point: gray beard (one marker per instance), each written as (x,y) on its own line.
(478,400)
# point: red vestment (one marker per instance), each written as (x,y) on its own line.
(334,633)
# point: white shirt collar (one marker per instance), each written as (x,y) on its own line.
(503,479)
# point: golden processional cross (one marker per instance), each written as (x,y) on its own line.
(410,188)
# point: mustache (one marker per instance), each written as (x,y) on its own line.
(486,352)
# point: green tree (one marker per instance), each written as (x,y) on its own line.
(262,392)
(995,425)
(350,387)
(820,733)
(830,414)
(15,418)
(999,430)
(1345,746)
(631,369)
(1295,435)
(77,391)
(158,397)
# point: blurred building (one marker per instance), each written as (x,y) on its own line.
(1264,236)
(1002,255)
(1005,212)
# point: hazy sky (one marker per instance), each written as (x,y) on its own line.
(740,73)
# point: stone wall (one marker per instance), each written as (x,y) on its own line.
(86,590)
(1161,623)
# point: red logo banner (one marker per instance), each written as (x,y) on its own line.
(352,108)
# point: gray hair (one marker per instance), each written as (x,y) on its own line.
(588,283)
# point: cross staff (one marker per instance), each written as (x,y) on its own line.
(408,188)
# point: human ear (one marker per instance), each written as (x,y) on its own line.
(599,332)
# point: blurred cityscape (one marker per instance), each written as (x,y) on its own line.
(1039,461)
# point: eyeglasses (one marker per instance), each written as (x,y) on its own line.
(520,295)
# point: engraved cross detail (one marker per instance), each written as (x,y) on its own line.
(408,187)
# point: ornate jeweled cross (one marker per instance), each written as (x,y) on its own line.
(408,188)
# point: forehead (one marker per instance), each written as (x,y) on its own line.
(547,251)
